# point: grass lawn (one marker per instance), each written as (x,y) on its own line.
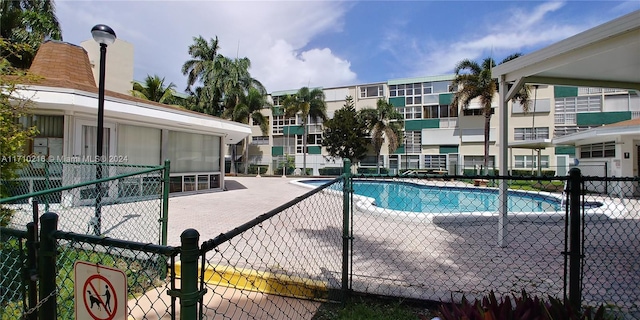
(370,308)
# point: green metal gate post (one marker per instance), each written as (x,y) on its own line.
(165,202)
(189,293)
(575,252)
(346,228)
(31,270)
(47,266)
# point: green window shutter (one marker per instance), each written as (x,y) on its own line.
(314,149)
(448,149)
(570,150)
(564,92)
(600,118)
(277,151)
(292,130)
(417,125)
(397,101)
(445,98)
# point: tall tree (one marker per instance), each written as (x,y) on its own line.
(384,124)
(345,135)
(240,90)
(474,81)
(13,135)
(248,108)
(311,106)
(234,79)
(29,22)
(153,89)
(202,68)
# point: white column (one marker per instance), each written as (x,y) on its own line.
(503,155)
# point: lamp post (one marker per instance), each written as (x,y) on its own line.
(104,36)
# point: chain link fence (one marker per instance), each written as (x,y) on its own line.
(126,203)
(280,264)
(13,257)
(425,237)
(429,237)
(67,275)
(611,246)
(440,238)
(144,266)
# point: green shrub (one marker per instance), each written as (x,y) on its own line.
(330,171)
(253,168)
(528,172)
(521,307)
(373,170)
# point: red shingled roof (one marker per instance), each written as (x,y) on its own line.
(65,65)
(63,62)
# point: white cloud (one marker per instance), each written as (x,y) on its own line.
(521,30)
(316,67)
(270,34)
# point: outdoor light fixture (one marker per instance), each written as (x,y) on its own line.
(105,36)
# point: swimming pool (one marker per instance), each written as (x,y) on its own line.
(411,197)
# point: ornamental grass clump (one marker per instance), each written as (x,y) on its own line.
(520,307)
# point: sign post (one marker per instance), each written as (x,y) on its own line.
(100,292)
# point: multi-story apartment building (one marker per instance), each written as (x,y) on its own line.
(441,138)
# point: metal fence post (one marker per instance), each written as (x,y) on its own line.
(165,202)
(31,271)
(47,185)
(47,266)
(346,228)
(189,293)
(575,252)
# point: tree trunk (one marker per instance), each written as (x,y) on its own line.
(246,155)
(487,123)
(304,147)
(232,168)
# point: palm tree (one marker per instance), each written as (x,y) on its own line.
(202,67)
(248,108)
(383,122)
(153,89)
(310,105)
(28,23)
(473,80)
(234,79)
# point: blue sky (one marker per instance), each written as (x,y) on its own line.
(333,43)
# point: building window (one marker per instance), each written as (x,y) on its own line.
(411,112)
(372,91)
(260,140)
(413,90)
(560,131)
(531,162)
(312,140)
(531,133)
(435,161)
(566,108)
(598,150)
(280,122)
(277,100)
(478,161)
(476,112)
(413,142)
(439,111)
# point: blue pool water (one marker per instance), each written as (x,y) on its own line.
(412,197)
